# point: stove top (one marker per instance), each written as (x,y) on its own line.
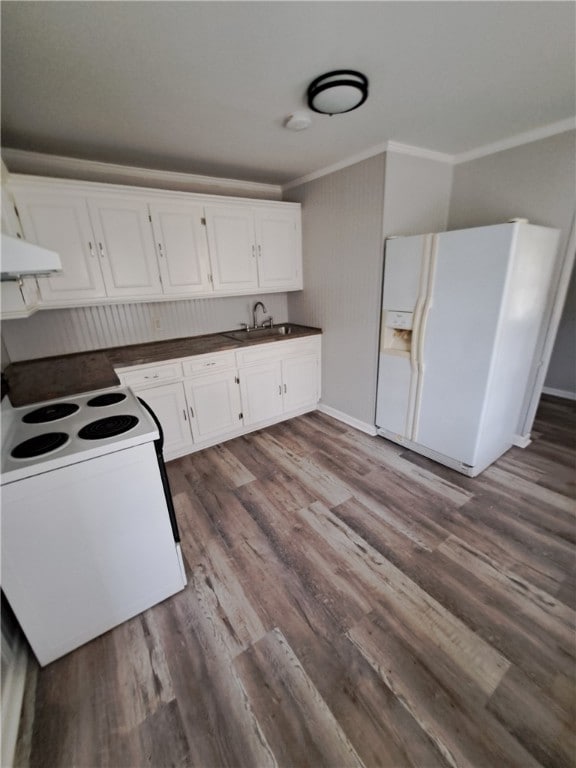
(51,435)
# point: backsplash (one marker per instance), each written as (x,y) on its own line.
(63,331)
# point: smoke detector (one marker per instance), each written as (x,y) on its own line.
(298,121)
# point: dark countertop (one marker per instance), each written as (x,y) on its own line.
(32,381)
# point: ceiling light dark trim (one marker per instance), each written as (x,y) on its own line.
(335,79)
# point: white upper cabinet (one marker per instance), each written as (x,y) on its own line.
(182,248)
(232,247)
(61,223)
(125,246)
(279,252)
(130,244)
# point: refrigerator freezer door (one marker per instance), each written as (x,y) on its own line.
(469,270)
(402,271)
(405,272)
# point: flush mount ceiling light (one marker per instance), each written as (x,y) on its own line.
(340,91)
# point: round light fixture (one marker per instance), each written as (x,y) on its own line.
(340,91)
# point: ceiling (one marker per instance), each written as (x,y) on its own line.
(204,87)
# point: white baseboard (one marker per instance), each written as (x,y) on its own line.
(565,393)
(521,441)
(12,697)
(369,429)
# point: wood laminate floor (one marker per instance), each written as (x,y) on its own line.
(349,603)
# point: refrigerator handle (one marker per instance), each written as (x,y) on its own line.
(420,333)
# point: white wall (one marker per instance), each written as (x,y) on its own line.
(62,331)
(345,216)
(535,181)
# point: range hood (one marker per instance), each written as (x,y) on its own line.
(19,258)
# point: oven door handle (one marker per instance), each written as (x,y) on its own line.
(156,421)
(163,474)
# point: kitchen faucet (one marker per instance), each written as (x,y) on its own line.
(255,313)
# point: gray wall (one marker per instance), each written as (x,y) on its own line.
(345,218)
(416,195)
(535,181)
(342,238)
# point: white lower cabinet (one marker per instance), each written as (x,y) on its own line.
(229,393)
(261,390)
(169,404)
(214,403)
(300,381)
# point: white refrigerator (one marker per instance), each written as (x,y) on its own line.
(462,313)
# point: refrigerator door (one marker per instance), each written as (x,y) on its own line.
(468,276)
(405,271)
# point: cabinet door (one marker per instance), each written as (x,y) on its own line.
(19,298)
(61,222)
(125,246)
(261,390)
(300,382)
(214,403)
(279,248)
(232,247)
(182,248)
(169,404)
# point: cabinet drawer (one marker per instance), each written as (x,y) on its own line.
(151,375)
(217,361)
(278,350)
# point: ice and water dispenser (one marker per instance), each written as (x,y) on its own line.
(396,331)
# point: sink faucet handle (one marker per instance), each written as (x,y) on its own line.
(245,326)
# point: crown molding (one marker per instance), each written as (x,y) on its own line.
(518,140)
(352,160)
(406,149)
(40,164)
(426,154)
(378,149)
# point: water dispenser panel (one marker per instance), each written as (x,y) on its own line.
(399,320)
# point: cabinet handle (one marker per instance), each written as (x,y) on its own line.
(253,251)
(259,251)
(192,412)
(101,250)
(285,389)
(161,252)
(155,376)
(91,249)
(184,414)
(279,389)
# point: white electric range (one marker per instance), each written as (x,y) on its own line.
(52,434)
(89,534)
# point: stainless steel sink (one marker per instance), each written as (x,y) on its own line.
(260,333)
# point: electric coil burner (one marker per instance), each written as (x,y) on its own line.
(50,413)
(40,445)
(110,398)
(110,426)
